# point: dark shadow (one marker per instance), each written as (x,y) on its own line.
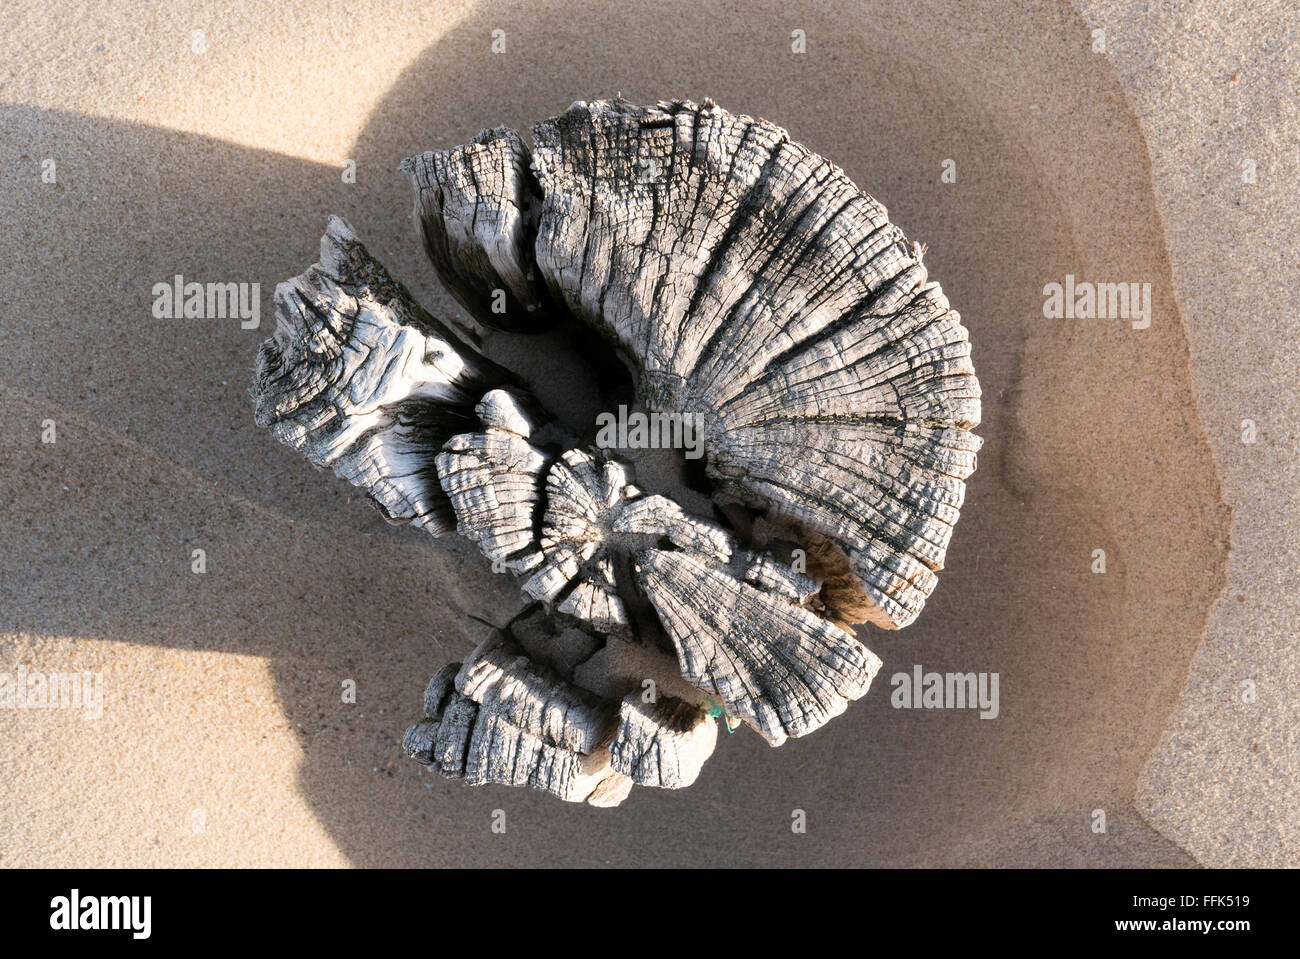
(1090,442)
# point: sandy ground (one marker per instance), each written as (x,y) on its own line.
(1156,692)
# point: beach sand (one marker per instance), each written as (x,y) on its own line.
(224,738)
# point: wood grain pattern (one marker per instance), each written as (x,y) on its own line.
(747,283)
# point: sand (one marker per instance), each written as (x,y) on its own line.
(224,738)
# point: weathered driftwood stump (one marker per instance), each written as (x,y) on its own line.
(753,291)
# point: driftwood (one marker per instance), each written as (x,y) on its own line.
(662,743)
(751,289)
(360,379)
(501,719)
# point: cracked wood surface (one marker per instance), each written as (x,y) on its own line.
(744,281)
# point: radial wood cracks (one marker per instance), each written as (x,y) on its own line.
(745,282)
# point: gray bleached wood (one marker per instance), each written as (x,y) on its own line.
(492,480)
(743,635)
(502,719)
(592,512)
(500,677)
(777,666)
(664,743)
(475,211)
(748,284)
(360,379)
